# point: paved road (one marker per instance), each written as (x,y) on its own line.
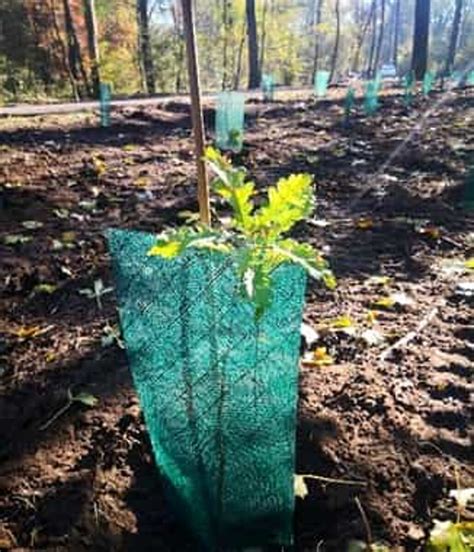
(76,107)
(57,108)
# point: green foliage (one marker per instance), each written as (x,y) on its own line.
(255,236)
(447,536)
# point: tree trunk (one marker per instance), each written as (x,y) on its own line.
(263,37)
(396,32)
(226,7)
(254,70)
(64,52)
(373,40)
(92,44)
(419,62)
(381,35)
(338,38)
(454,37)
(146,56)
(240,55)
(73,48)
(361,38)
(317,45)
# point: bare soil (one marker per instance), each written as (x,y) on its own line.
(389,203)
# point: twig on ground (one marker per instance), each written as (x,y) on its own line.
(410,336)
(336,481)
(366,523)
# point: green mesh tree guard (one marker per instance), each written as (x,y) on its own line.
(371,101)
(428,82)
(378,81)
(456,78)
(218,387)
(468,192)
(321,82)
(349,102)
(409,88)
(105,96)
(230,115)
(268,88)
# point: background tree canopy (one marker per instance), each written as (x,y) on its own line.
(46,48)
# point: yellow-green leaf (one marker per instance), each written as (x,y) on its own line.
(45,288)
(469,263)
(290,201)
(166,249)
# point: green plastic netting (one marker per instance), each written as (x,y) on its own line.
(218,388)
(349,102)
(321,82)
(410,83)
(456,78)
(268,87)
(468,195)
(428,82)
(230,116)
(371,101)
(105,96)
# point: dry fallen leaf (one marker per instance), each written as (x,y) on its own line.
(26,332)
(68,237)
(16,239)
(319,357)
(32,224)
(301,489)
(378,281)
(365,223)
(372,337)
(430,231)
(394,300)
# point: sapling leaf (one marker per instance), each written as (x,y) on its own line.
(288,203)
(253,238)
(167,249)
(447,536)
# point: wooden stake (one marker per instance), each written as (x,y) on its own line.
(196,110)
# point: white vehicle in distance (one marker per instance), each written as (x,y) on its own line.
(388,71)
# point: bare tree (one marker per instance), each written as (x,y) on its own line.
(381,36)
(454,37)
(370,66)
(419,62)
(396,31)
(75,61)
(263,41)
(239,57)
(254,69)
(317,45)
(361,38)
(92,43)
(146,57)
(227,23)
(337,10)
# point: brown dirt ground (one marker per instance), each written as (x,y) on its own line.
(88,481)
